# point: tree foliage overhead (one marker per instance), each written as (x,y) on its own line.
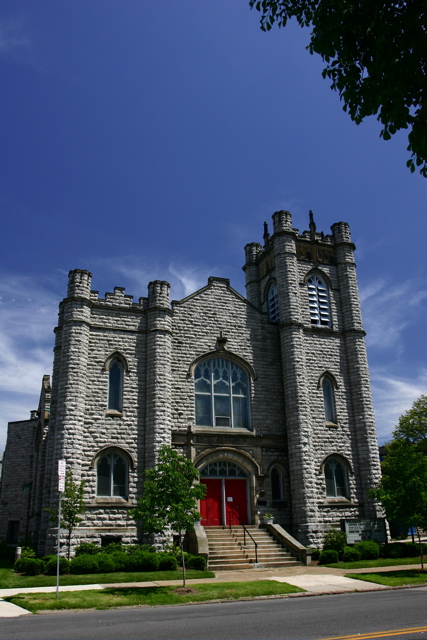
(376,55)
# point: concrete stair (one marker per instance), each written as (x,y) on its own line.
(228,549)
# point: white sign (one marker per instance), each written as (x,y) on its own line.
(61,475)
(365,529)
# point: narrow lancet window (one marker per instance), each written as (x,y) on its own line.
(329,400)
(115,386)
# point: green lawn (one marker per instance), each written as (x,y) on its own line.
(381,562)
(150,596)
(393,578)
(11,580)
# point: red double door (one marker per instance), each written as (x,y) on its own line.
(225,502)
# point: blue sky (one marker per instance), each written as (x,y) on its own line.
(147,139)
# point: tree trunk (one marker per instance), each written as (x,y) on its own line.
(69,543)
(421,549)
(181,544)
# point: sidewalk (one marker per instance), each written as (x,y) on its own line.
(314,579)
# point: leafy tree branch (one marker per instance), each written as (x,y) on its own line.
(376,55)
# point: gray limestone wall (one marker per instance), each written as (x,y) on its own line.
(16,480)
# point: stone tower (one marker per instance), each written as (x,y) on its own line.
(307,285)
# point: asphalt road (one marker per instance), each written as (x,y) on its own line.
(307,618)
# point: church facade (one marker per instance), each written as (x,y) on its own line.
(268,395)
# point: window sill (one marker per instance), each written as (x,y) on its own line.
(105,501)
(332,425)
(339,503)
(113,413)
(224,430)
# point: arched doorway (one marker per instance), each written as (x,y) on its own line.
(226,501)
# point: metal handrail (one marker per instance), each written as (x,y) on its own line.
(245,531)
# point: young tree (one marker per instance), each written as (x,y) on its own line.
(376,55)
(72,505)
(403,488)
(170,496)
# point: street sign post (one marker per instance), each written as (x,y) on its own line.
(61,488)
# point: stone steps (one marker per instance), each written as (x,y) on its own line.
(228,549)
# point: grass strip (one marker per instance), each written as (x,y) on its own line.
(401,578)
(371,564)
(11,580)
(150,596)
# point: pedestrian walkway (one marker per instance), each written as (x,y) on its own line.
(314,579)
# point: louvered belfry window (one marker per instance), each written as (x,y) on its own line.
(318,300)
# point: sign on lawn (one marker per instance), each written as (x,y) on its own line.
(364,529)
(61,475)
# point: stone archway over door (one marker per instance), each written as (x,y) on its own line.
(226,501)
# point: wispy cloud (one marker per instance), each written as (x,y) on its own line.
(388,308)
(28,313)
(393,396)
(183,278)
(12,35)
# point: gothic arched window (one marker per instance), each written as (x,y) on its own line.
(318,301)
(112,471)
(336,479)
(276,485)
(222,394)
(272,303)
(115,385)
(329,400)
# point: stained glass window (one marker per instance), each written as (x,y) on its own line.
(221,394)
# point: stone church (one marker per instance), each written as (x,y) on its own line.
(268,395)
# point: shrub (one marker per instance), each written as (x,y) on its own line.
(315,553)
(328,556)
(29,566)
(411,549)
(142,561)
(198,563)
(131,548)
(392,550)
(120,559)
(51,565)
(167,562)
(400,550)
(368,549)
(106,563)
(350,554)
(28,552)
(87,548)
(112,547)
(335,540)
(85,563)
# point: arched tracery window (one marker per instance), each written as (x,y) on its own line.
(112,472)
(222,468)
(318,300)
(336,478)
(222,394)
